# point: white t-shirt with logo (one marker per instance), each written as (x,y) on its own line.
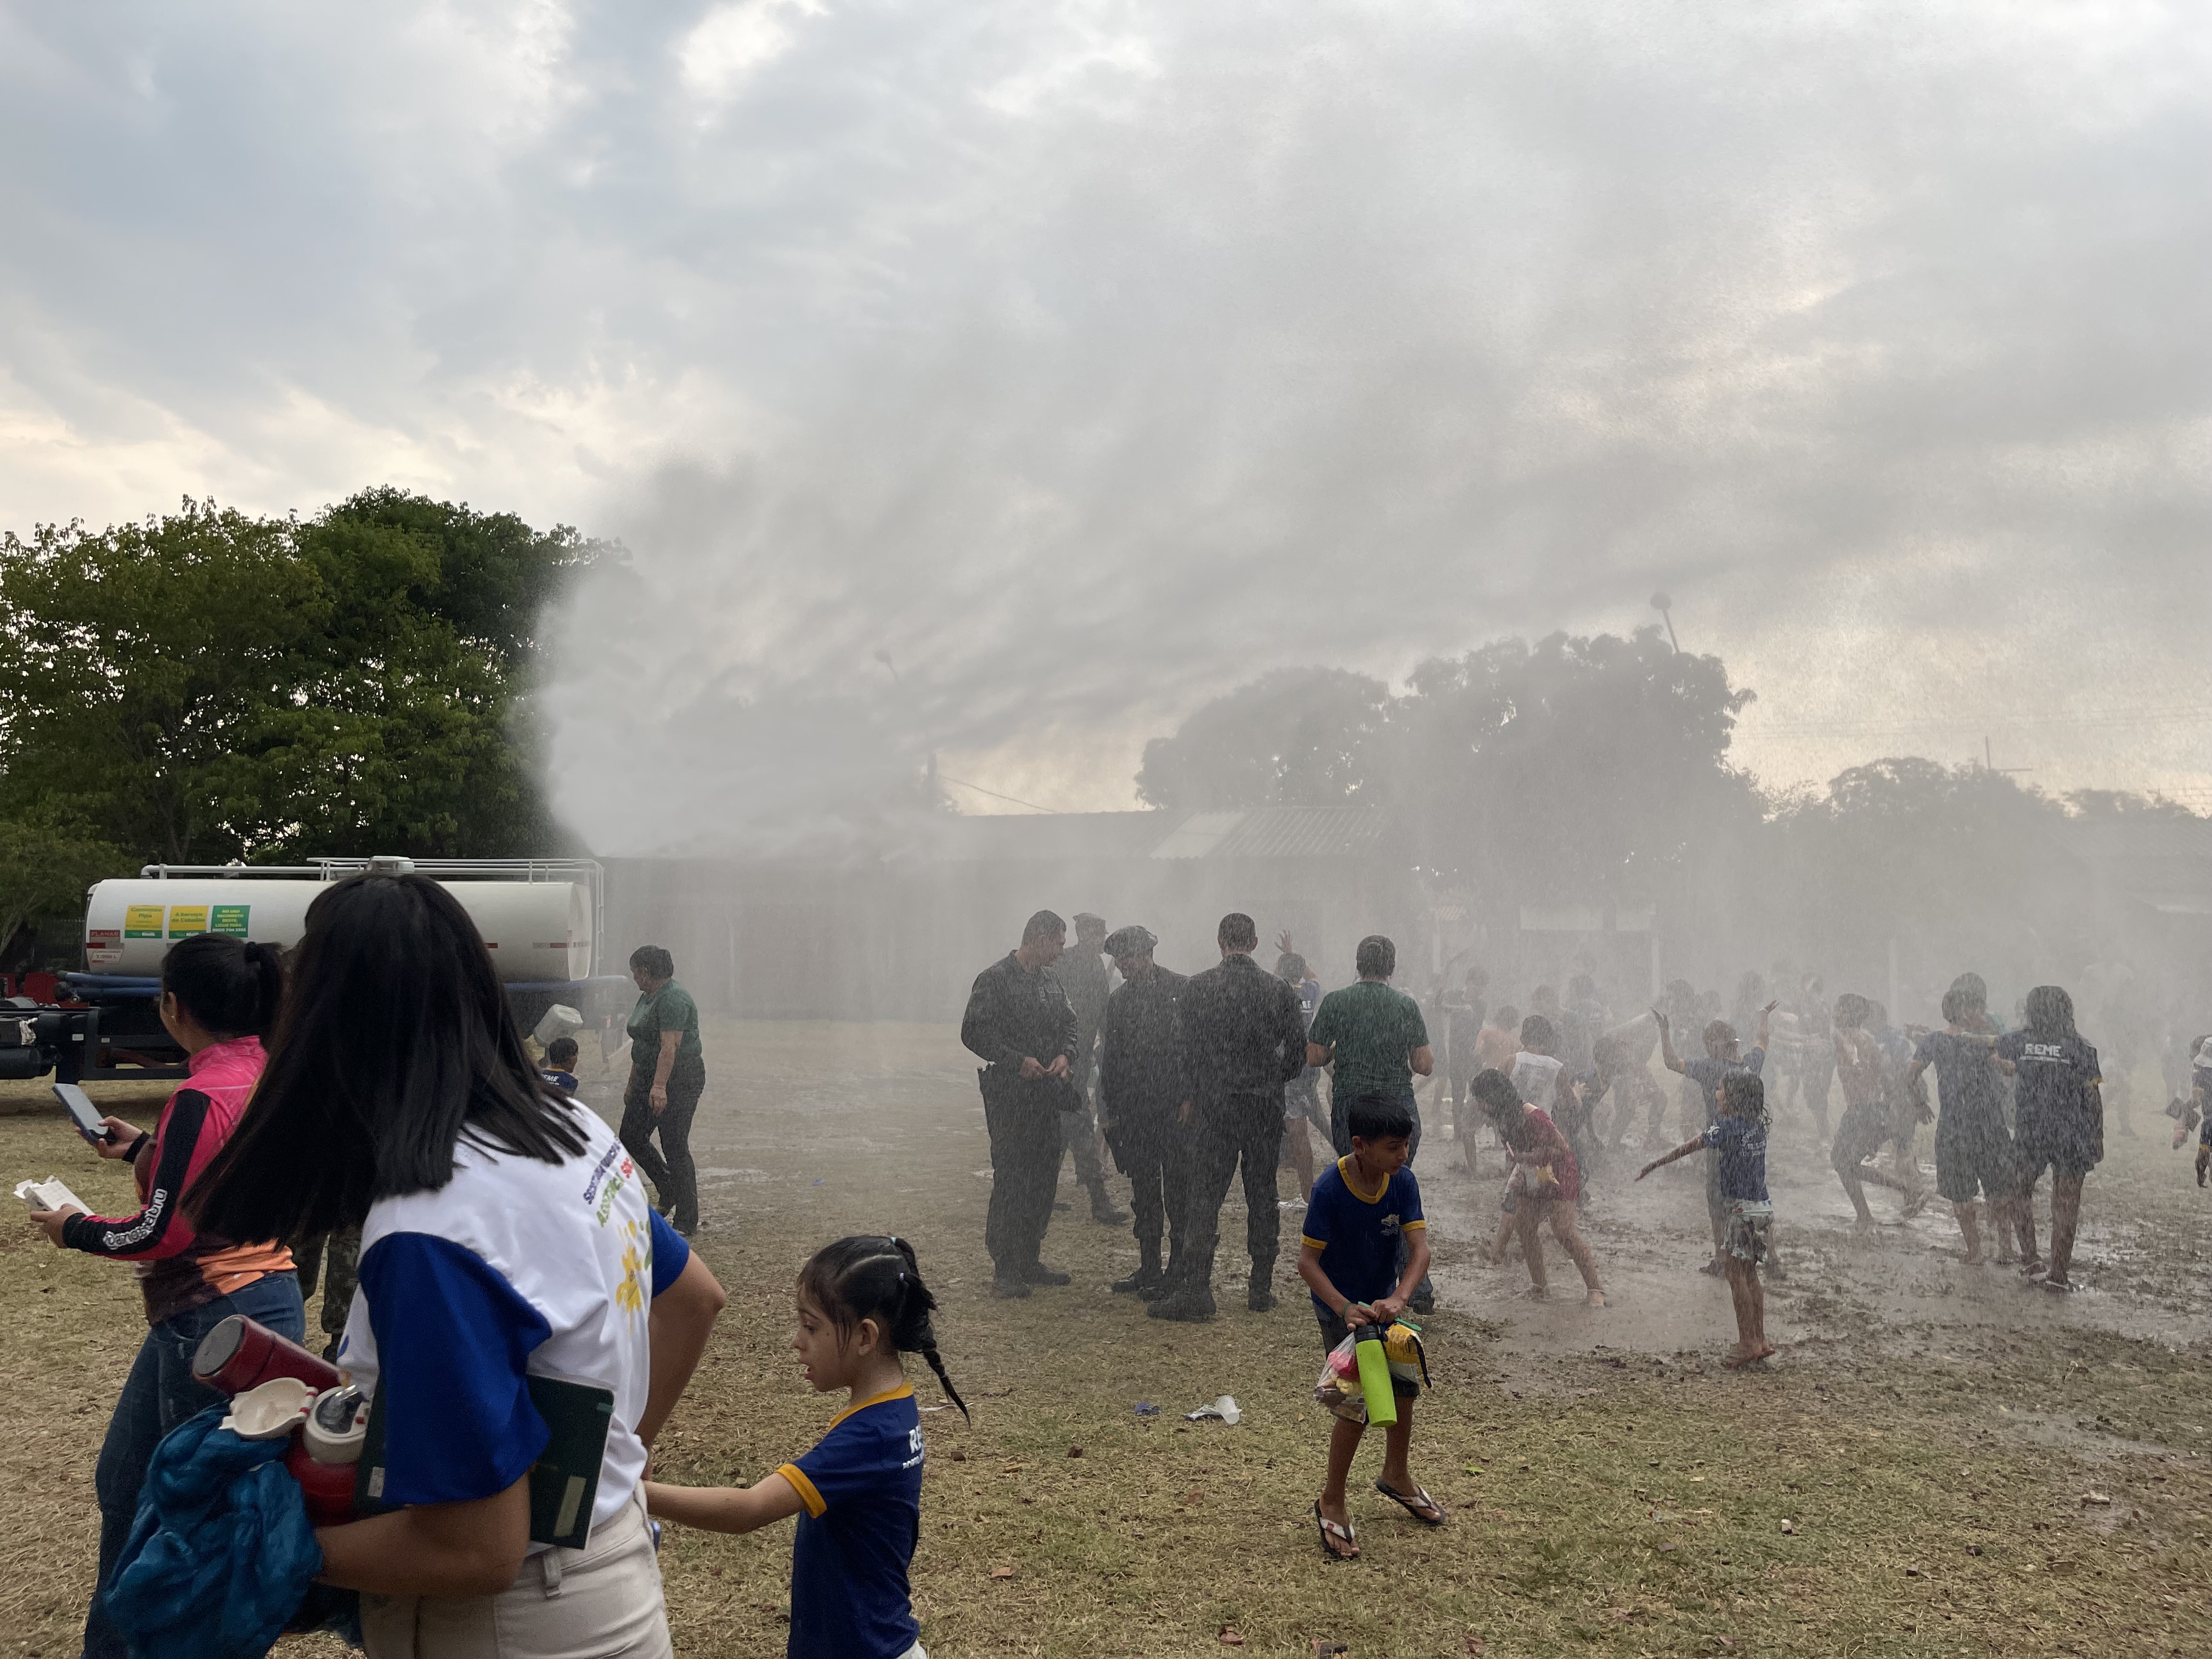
(516,1267)
(1535,1079)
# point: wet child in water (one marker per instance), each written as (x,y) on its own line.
(858,1494)
(1737,1139)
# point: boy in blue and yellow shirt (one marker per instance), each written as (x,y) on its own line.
(1358,1213)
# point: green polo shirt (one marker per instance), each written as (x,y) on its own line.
(668,1009)
(1373,1029)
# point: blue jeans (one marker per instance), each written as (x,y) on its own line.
(161,1393)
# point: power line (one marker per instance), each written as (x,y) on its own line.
(2083,719)
(995,795)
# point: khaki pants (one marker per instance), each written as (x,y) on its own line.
(599,1602)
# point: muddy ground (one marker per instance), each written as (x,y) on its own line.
(1966,1466)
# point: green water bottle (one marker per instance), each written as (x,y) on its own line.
(1375,1374)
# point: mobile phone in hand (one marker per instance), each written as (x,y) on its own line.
(83,1114)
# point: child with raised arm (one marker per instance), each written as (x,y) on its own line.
(861,1303)
(1738,1138)
(1360,1208)
(1722,1059)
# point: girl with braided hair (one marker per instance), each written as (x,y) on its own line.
(861,1303)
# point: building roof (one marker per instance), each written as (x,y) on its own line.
(1278,832)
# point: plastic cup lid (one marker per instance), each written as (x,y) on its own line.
(270,1410)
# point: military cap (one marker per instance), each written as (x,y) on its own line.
(1130,941)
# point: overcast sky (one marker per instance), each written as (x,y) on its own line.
(1090,358)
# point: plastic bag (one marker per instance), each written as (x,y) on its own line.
(1338,1386)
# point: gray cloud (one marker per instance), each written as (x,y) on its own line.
(1093,358)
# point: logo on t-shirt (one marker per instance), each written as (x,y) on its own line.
(1390,1225)
(634,1290)
(913,1448)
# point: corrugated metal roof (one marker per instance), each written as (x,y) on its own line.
(1198,835)
(989,838)
(1304,832)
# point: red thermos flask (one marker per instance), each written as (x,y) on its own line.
(239,1354)
(325,1451)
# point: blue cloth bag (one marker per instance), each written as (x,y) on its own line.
(222,1554)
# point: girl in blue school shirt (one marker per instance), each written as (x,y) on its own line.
(858,1494)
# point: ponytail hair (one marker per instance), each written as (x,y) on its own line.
(229,986)
(875,1277)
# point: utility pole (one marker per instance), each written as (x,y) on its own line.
(1989,762)
(933,796)
(1665,607)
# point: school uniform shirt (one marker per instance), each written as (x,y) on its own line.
(2056,1112)
(179,1268)
(1706,1072)
(1970,1090)
(1741,1147)
(564,1081)
(862,1489)
(1357,1232)
(516,1267)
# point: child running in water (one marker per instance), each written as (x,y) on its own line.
(1546,1185)
(861,1303)
(1738,1139)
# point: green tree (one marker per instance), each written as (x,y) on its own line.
(1298,737)
(209,685)
(1587,769)
(47,859)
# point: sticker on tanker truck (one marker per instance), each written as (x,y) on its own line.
(142,921)
(186,919)
(103,946)
(228,919)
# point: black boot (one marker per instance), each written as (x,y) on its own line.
(1103,1211)
(1148,1282)
(1037,1273)
(1259,1296)
(1190,1303)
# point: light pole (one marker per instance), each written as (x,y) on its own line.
(1659,603)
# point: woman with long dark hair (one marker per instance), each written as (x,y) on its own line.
(2058,1125)
(517,1296)
(219,996)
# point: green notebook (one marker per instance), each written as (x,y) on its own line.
(563,1481)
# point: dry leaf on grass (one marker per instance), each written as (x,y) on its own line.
(1002,1572)
(1232,1637)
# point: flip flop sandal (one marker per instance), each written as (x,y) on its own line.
(1414,1503)
(1334,1529)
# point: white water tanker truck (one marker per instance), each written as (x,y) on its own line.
(540,919)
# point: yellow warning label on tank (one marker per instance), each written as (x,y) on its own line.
(142,921)
(186,919)
(228,919)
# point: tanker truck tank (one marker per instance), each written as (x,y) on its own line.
(539,918)
(537,930)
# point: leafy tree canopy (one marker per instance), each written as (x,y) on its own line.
(1571,768)
(208,685)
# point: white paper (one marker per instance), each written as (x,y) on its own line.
(51,1194)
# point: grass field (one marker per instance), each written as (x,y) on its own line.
(1967,1467)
